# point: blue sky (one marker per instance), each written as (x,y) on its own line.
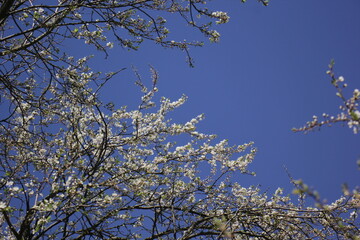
(266,76)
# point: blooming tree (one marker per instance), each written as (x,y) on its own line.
(73,167)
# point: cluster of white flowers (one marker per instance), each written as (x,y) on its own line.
(47,205)
(131,167)
(222,16)
(214,36)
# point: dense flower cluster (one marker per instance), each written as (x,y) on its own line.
(73,169)
(222,16)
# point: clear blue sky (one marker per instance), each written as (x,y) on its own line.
(265,76)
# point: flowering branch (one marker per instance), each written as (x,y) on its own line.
(350,113)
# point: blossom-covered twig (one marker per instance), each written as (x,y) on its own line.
(349,114)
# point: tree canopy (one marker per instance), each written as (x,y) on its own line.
(74,167)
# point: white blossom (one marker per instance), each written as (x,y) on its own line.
(2,205)
(110,45)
